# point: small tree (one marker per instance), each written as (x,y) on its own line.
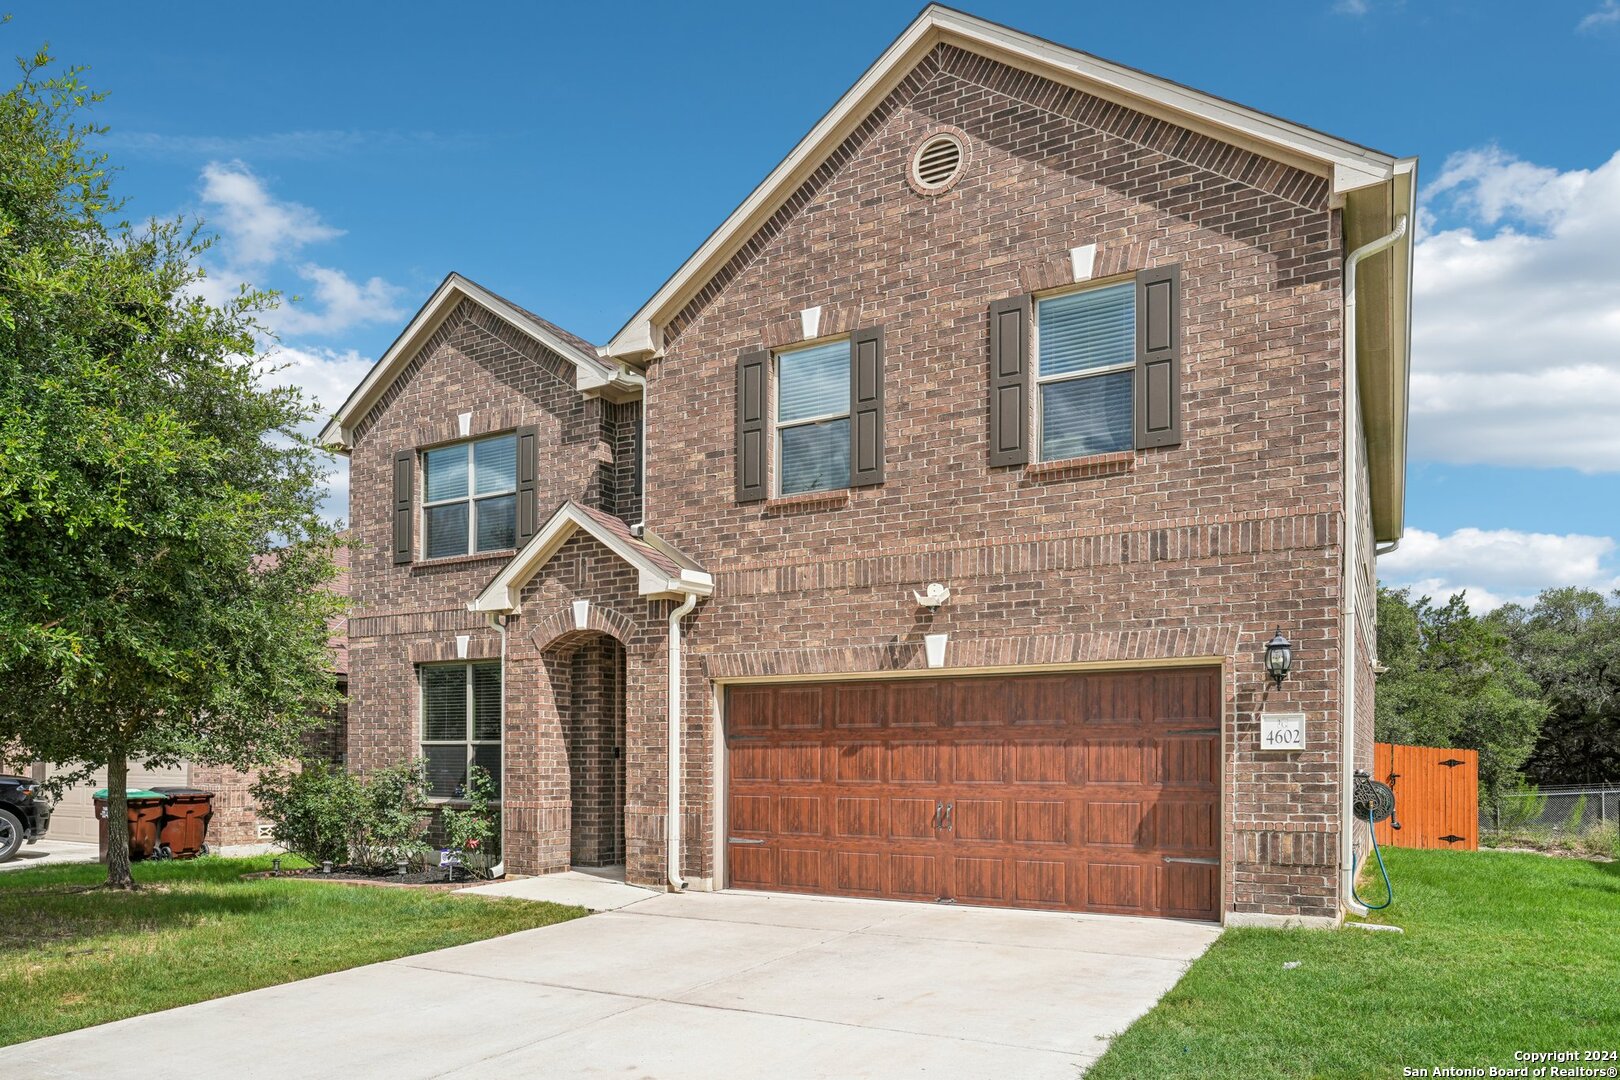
(162,558)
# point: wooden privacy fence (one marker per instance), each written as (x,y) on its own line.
(1436,796)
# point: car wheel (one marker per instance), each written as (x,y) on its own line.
(11,835)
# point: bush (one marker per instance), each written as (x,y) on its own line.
(323,813)
(474,833)
(1519,807)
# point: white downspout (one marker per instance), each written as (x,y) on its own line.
(672,827)
(499,622)
(1352,538)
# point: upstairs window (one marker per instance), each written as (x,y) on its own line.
(812,418)
(461,725)
(1085,364)
(469,497)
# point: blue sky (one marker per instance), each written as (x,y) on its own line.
(571,157)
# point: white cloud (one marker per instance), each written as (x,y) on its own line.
(325,376)
(1516,322)
(255,228)
(1607,14)
(336,302)
(1497,566)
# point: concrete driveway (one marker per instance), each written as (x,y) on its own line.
(51,853)
(703,986)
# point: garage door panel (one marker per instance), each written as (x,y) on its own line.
(860,872)
(859,763)
(1073,791)
(751,814)
(979,819)
(1115,761)
(1117,824)
(1188,761)
(1116,887)
(914,763)
(1186,827)
(859,817)
(1041,821)
(914,877)
(912,819)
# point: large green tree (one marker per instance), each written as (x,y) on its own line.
(162,558)
(1569,642)
(1452,681)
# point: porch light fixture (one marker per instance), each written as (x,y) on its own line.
(1279,656)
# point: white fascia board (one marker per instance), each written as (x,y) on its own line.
(1348,166)
(338,433)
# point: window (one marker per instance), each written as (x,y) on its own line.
(1085,365)
(469,497)
(461,725)
(812,418)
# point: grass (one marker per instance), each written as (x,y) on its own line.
(1597,840)
(1502,952)
(74,956)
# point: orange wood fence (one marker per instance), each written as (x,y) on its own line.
(1436,796)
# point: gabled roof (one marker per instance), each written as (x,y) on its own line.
(593,374)
(1348,166)
(663,572)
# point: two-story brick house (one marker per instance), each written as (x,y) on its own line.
(1070,343)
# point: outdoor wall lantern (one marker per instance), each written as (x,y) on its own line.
(1279,656)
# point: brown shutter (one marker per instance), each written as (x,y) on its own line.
(1009,381)
(866,407)
(528,471)
(404,481)
(1158,357)
(752,368)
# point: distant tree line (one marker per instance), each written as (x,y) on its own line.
(1536,690)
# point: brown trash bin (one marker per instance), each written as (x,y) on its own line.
(145,821)
(185,822)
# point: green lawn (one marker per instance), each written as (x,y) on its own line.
(1502,952)
(73,956)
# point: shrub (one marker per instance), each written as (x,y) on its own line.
(311,810)
(474,832)
(1519,807)
(325,813)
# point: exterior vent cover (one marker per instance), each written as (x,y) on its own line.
(937,164)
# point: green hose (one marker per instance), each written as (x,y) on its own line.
(1389,889)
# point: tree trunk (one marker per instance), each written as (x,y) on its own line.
(118,872)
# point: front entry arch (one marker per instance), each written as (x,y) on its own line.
(591,667)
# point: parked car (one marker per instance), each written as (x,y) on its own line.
(25,814)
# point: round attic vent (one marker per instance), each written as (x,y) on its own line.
(937,163)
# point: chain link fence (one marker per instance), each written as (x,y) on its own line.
(1571,818)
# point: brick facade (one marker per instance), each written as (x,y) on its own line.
(1194,551)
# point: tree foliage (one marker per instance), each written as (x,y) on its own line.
(1569,643)
(162,559)
(1452,681)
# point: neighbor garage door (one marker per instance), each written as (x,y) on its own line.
(74,817)
(1080,792)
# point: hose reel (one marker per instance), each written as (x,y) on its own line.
(1373,802)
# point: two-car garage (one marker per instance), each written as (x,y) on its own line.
(1070,791)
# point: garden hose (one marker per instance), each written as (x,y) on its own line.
(1372,802)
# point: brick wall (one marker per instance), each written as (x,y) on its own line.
(1236,530)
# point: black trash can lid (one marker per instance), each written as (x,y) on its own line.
(171,791)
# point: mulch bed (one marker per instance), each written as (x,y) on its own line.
(431,879)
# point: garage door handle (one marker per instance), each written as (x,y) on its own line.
(939,813)
(949,807)
(1199,862)
(742,840)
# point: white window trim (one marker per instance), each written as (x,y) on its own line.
(1042,381)
(472,705)
(469,498)
(777,427)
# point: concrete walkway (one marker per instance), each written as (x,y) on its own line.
(51,853)
(707,986)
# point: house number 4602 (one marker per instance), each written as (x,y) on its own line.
(1282,731)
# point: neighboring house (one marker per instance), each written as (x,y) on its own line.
(1068,339)
(236,815)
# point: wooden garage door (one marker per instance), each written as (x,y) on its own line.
(1080,792)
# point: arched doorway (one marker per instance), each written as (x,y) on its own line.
(593,714)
